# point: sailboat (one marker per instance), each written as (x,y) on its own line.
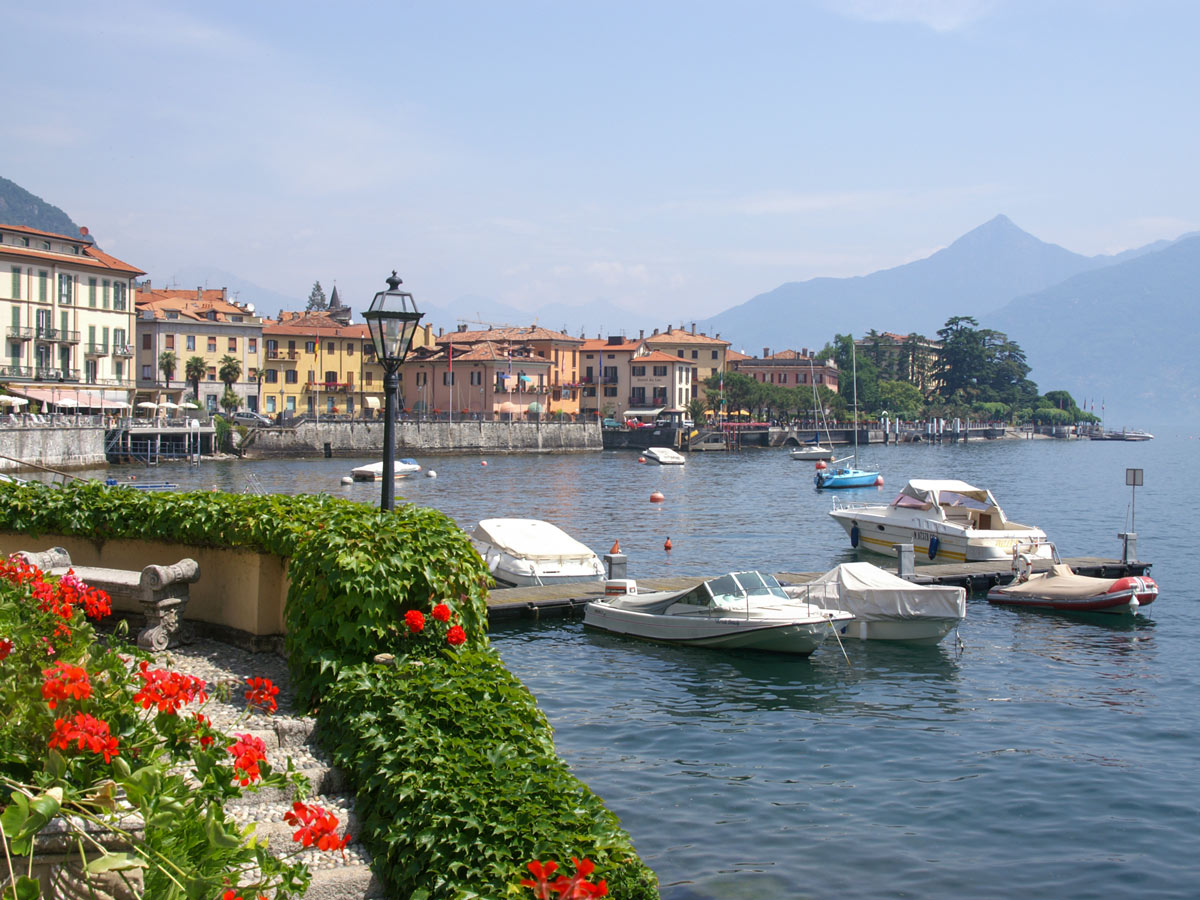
(848,476)
(813,449)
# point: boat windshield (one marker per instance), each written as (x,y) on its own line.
(953,498)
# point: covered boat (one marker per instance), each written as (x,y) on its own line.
(885,607)
(944,520)
(401,468)
(1061,589)
(529,551)
(741,610)
(810,452)
(664,456)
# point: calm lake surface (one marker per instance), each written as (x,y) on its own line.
(1047,756)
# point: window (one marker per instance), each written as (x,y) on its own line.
(637,370)
(252,344)
(476,377)
(349,349)
(447,378)
(146,341)
(610,391)
(104,292)
(233,345)
(330,348)
(270,376)
(291,376)
(309,346)
(146,372)
(270,404)
(422,379)
(119,289)
(331,377)
(212,345)
(714,354)
(92,293)
(170,342)
(65,285)
(680,352)
(695,354)
(43,277)
(368,378)
(16,282)
(212,373)
(119,369)
(189,342)
(660,371)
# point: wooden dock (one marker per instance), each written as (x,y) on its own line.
(557,600)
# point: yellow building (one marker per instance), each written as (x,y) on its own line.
(69,337)
(705,355)
(199,325)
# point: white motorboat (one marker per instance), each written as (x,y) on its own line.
(401,468)
(741,610)
(811,452)
(664,456)
(522,552)
(944,520)
(885,607)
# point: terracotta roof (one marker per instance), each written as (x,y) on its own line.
(682,336)
(662,356)
(186,305)
(482,351)
(315,326)
(732,355)
(89,257)
(597,345)
(530,333)
(26,230)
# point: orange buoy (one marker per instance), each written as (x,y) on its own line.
(821,464)
(641,459)
(667,545)
(878,481)
(657,497)
(616,547)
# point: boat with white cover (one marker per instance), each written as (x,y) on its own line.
(1060,589)
(944,520)
(885,607)
(741,610)
(521,552)
(664,456)
(401,468)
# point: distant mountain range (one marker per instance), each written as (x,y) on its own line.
(19,207)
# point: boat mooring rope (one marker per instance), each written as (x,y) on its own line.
(840,644)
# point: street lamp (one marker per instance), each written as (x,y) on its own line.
(392,320)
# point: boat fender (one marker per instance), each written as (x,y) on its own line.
(933,547)
(854,535)
(1024,567)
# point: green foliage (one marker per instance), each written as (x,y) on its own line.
(459,783)
(900,399)
(194,370)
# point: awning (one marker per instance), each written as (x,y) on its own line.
(114,399)
(644,412)
(372,402)
(525,378)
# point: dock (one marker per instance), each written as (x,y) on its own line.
(559,600)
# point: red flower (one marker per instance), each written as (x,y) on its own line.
(456,636)
(64,681)
(415,620)
(262,694)
(202,727)
(541,872)
(88,732)
(168,690)
(247,753)
(316,826)
(441,612)
(577,887)
(6,647)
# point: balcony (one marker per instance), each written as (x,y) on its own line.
(19,334)
(94,349)
(283,354)
(46,334)
(68,337)
(125,350)
(16,372)
(55,374)
(329,387)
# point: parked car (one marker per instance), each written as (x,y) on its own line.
(252,419)
(610,423)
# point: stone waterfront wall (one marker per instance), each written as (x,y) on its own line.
(366,438)
(56,448)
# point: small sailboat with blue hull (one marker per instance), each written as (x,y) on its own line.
(846,476)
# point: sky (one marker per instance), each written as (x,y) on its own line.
(674,157)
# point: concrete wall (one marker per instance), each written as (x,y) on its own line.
(57,448)
(366,438)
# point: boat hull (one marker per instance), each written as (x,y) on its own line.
(811,454)
(726,632)
(846,478)
(1125,597)
(926,630)
(953,545)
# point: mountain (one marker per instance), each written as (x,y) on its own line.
(19,207)
(1125,336)
(598,318)
(981,270)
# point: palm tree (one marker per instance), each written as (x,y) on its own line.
(194,370)
(230,371)
(166,365)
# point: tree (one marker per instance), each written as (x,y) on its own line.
(230,401)
(194,370)
(166,365)
(230,371)
(695,410)
(316,298)
(900,399)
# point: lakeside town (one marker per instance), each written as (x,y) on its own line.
(92,333)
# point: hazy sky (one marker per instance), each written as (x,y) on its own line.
(678,157)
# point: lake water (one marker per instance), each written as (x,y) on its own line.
(1045,756)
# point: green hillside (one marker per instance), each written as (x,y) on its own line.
(19,207)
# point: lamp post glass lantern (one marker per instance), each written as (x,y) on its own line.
(392,320)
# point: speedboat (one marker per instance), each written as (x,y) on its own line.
(741,610)
(664,456)
(943,520)
(885,607)
(521,552)
(1062,590)
(401,468)
(841,476)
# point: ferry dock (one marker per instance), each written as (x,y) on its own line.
(559,600)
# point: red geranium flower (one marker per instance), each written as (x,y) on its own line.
(456,636)
(315,826)
(262,694)
(168,690)
(64,681)
(88,732)
(6,647)
(415,620)
(441,612)
(202,726)
(247,753)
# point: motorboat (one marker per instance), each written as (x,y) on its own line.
(944,520)
(664,456)
(401,468)
(521,552)
(1062,590)
(838,475)
(811,452)
(741,610)
(885,607)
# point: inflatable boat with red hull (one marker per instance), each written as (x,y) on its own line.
(1062,590)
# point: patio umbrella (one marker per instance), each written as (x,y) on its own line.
(535,407)
(13,401)
(190,404)
(167,404)
(146,404)
(115,404)
(66,401)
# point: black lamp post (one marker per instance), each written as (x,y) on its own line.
(392,320)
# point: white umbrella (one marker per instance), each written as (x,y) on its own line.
(116,404)
(13,401)
(146,404)
(190,404)
(66,401)
(167,404)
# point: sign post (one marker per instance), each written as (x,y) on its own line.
(1133,478)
